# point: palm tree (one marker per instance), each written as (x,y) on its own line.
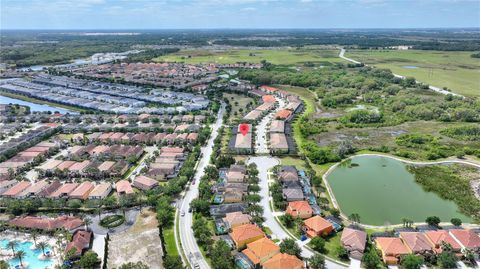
(354,217)
(42,245)
(20,255)
(34,235)
(87,222)
(12,244)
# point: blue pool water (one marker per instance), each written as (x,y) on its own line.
(31,258)
(410,66)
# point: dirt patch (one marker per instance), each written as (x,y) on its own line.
(141,242)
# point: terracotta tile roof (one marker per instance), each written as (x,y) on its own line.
(101,189)
(268,88)
(278,141)
(437,237)
(80,241)
(236,218)
(105,166)
(256,250)
(172,149)
(392,246)
(317,224)
(47,224)
(283,114)
(467,238)
(416,242)
(50,164)
(17,189)
(245,232)
(243,141)
(298,207)
(65,189)
(354,240)
(65,165)
(123,186)
(283,261)
(82,190)
(268,99)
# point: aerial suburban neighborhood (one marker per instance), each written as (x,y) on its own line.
(239,134)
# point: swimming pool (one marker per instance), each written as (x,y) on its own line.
(31,258)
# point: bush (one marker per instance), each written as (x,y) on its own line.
(112,221)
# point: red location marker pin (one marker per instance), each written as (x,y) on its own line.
(244,128)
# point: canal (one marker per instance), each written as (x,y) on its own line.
(33,106)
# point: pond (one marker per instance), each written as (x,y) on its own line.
(410,66)
(33,106)
(381,191)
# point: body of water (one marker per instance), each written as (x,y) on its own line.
(31,258)
(382,191)
(410,66)
(33,106)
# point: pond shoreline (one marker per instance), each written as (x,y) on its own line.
(405,161)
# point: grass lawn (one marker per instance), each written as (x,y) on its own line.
(41,102)
(170,245)
(275,56)
(238,102)
(452,69)
(331,245)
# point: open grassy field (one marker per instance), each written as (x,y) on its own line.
(275,56)
(452,69)
(240,105)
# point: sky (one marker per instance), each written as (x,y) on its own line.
(194,14)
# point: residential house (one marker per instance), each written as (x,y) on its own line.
(232,196)
(261,250)
(244,234)
(101,191)
(293,194)
(283,114)
(288,173)
(82,191)
(80,241)
(317,226)
(284,261)
(392,249)
(299,209)
(144,183)
(235,219)
(417,242)
(64,191)
(278,143)
(467,239)
(47,224)
(123,187)
(51,188)
(6,184)
(243,143)
(17,190)
(354,241)
(277,126)
(437,238)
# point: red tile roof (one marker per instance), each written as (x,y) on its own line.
(47,224)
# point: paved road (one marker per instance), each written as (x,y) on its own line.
(261,144)
(264,164)
(189,245)
(433,88)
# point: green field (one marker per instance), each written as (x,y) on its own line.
(452,69)
(275,56)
